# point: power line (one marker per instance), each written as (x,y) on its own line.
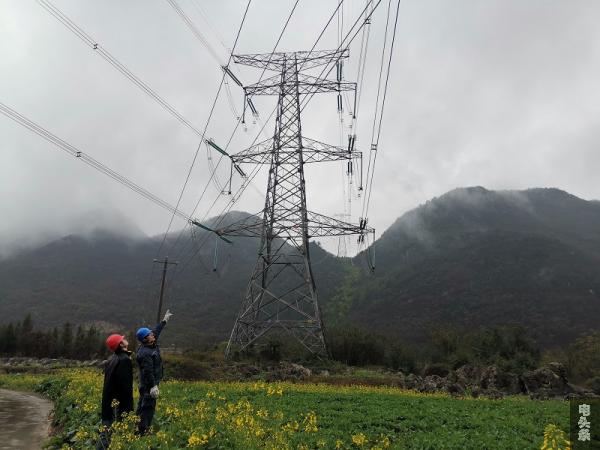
(387,78)
(255,171)
(347,41)
(286,220)
(195,31)
(87,159)
(93,44)
(198,8)
(212,175)
(376,113)
(204,131)
(343,44)
(220,217)
(362,64)
(238,124)
(325,72)
(279,39)
(95,164)
(365,21)
(202,39)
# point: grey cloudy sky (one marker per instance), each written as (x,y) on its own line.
(498,93)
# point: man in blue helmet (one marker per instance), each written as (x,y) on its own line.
(151,372)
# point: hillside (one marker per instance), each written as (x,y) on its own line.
(476,257)
(108,278)
(470,257)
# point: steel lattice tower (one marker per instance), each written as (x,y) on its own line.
(281,293)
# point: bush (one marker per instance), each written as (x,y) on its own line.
(182,367)
(272,349)
(594,384)
(400,357)
(356,347)
(518,363)
(438,369)
(583,357)
(52,387)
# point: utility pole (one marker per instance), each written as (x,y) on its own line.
(281,294)
(165,264)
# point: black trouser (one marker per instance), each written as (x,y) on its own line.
(104,438)
(145,410)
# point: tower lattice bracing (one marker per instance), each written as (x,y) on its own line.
(281,293)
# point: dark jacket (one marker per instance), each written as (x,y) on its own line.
(150,362)
(118,385)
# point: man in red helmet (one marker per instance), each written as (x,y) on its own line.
(118,386)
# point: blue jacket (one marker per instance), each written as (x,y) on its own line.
(150,362)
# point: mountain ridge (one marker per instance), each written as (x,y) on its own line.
(470,257)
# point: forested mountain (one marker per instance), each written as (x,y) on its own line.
(470,257)
(108,279)
(476,257)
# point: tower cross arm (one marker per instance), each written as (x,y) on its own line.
(312,151)
(307,84)
(250,226)
(319,225)
(306,60)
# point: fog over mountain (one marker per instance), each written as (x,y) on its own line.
(86,224)
(499,93)
(471,257)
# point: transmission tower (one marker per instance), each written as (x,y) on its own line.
(281,294)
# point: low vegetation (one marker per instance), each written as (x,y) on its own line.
(254,415)
(510,348)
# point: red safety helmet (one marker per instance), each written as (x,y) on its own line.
(113,341)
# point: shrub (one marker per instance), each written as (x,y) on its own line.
(356,347)
(182,367)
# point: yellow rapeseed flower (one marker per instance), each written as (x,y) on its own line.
(385,441)
(555,439)
(81,435)
(310,422)
(359,439)
(291,427)
(195,441)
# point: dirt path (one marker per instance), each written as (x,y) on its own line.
(24,420)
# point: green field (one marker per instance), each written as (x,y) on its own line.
(297,416)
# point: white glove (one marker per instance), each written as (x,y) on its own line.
(167,316)
(154,392)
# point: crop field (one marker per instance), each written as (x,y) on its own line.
(255,415)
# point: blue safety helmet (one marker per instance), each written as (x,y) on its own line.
(142,333)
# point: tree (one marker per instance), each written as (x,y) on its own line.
(66,341)
(26,336)
(81,345)
(583,357)
(10,340)
(55,345)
